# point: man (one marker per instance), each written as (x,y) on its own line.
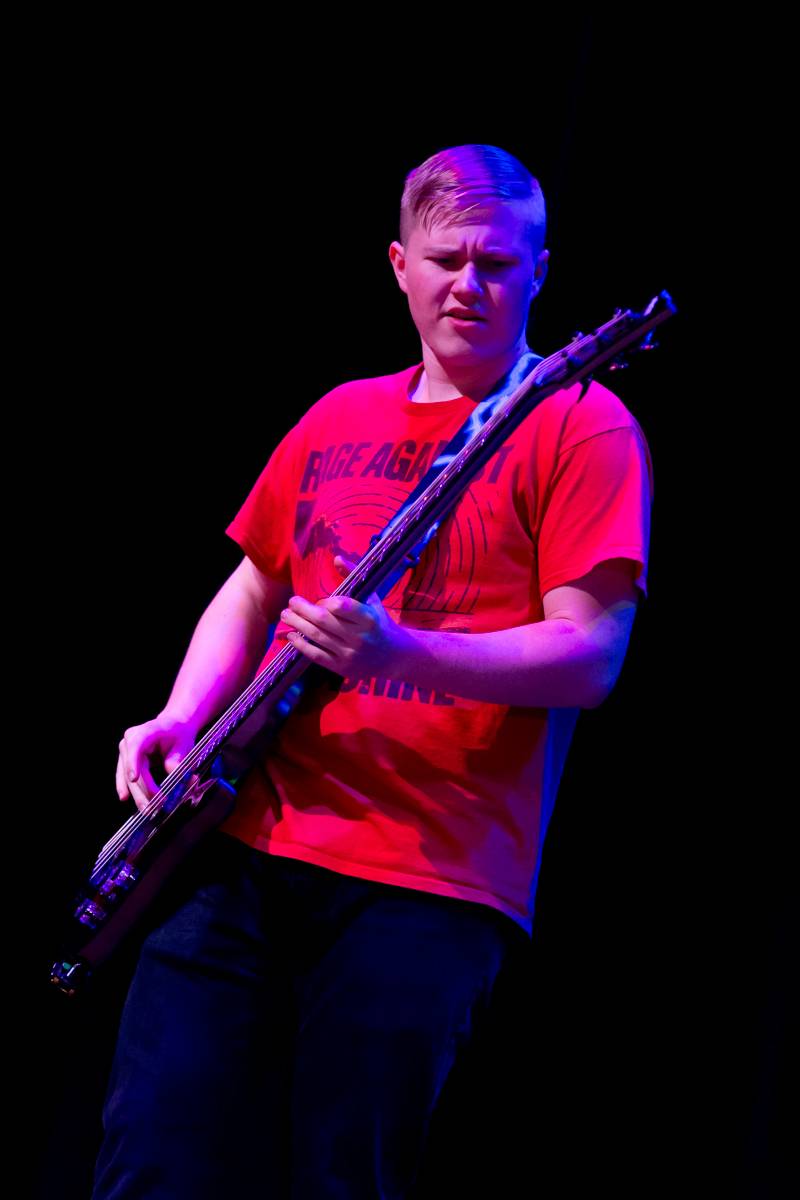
(297,1009)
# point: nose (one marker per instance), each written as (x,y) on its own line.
(468,284)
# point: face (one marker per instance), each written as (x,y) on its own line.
(470,286)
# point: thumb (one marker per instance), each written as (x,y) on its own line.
(173,759)
(344,565)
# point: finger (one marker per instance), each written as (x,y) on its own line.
(130,752)
(309,649)
(140,783)
(127,766)
(321,637)
(147,780)
(314,621)
(348,610)
(122,786)
(139,750)
(301,607)
(140,796)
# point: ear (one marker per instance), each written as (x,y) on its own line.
(539,273)
(397,257)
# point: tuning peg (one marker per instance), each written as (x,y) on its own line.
(619,364)
(577,335)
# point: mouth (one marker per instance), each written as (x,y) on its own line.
(465,317)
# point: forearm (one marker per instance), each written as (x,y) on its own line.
(550,664)
(226,648)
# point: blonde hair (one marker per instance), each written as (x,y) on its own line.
(461,182)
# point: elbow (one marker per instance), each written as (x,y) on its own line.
(594,698)
(599,681)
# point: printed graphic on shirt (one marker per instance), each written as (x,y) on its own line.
(335,516)
(395,689)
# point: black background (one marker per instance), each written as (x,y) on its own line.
(204,240)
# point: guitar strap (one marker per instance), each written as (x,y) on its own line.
(477,418)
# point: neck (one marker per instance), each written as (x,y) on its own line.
(444,381)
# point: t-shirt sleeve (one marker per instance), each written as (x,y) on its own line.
(598,507)
(264,525)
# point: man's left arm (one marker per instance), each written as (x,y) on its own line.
(570,659)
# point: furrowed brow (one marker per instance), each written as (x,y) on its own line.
(487,252)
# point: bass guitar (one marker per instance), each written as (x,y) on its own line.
(197,796)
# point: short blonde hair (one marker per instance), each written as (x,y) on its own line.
(460,181)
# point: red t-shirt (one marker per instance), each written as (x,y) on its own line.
(399,784)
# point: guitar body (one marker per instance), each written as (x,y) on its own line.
(127,884)
(133,867)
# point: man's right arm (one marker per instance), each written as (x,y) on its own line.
(225,650)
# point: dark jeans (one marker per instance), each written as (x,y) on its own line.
(288,1031)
